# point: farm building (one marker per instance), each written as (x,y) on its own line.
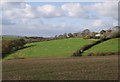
(98,35)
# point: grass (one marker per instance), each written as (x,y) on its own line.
(55,48)
(9,37)
(78,68)
(107,46)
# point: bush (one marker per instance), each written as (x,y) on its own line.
(77,53)
(114,34)
(9,46)
(111,34)
(6,47)
(96,37)
(18,44)
(87,37)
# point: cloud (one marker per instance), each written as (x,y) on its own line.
(28,12)
(99,24)
(72,9)
(108,9)
(11,5)
(67,9)
(24,18)
(25,10)
(49,11)
(7,22)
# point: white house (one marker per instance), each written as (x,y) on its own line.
(98,35)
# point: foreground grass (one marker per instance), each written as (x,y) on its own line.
(107,46)
(81,68)
(47,49)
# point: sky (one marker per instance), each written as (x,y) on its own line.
(54,18)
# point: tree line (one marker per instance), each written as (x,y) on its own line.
(87,34)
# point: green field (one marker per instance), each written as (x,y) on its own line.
(9,37)
(47,49)
(107,46)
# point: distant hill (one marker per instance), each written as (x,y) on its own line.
(10,37)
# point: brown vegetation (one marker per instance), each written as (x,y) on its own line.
(9,46)
(82,68)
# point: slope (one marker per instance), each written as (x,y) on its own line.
(55,48)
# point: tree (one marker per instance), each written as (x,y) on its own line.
(85,32)
(116,28)
(6,47)
(75,34)
(70,35)
(92,34)
(56,37)
(109,30)
(115,32)
(61,36)
(102,32)
(9,46)
(65,35)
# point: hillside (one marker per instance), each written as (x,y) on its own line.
(55,48)
(107,46)
(8,37)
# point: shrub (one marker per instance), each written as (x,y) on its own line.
(96,37)
(6,47)
(77,53)
(114,34)
(9,46)
(87,37)
(18,44)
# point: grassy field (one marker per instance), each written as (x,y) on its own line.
(9,37)
(47,49)
(79,68)
(107,46)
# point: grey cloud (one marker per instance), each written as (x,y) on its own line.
(65,10)
(11,5)
(7,22)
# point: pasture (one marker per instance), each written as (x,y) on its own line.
(51,49)
(9,37)
(107,46)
